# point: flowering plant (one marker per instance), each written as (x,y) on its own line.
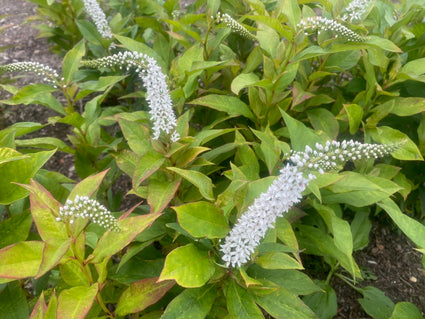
(251,139)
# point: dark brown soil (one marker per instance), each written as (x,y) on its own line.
(390,256)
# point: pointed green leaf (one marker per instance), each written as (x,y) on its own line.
(240,303)
(73,273)
(228,104)
(40,308)
(44,210)
(146,166)
(15,228)
(72,60)
(202,219)
(141,294)
(13,302)
(242,81)
(75,303)
(112,242)
(406,310)
(191,303)
(52,255)
(160,193)
(283,304)
(375,303)
(21,260)
(137,136)
(409,226)
(189,266)
(88,186)
(300,134)
(277,260)
(20,171)
(201,181)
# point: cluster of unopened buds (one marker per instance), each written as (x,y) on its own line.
(286,191)
(84,207)
(325,24)
(154,80)
(49,75)
(235,26)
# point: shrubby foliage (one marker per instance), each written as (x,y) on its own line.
(225,116)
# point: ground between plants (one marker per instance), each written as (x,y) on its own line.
(390,259)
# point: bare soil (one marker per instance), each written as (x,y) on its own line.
(390,256)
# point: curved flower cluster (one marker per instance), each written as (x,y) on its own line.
(286,191)
(251,227)
(324,24)
(235,26)
(334,154)
(83,207)
(355,10)
(99,18)
(158,95)
(49,75)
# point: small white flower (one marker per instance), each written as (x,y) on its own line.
(49,75)
(286,191)
(321,23)
(83,207)
(235,26)
(356,10)
(157,93)
(99,18)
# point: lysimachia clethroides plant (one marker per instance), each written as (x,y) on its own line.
(235,151)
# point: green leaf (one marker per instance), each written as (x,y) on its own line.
(277,260)
(73,274)
(141,294)
(228,104)
(358,190)
(242,81)
(201,181)
(189,266)
(160,193)
(408,151)
(360,228)
(291,9)
(44,210)
(295,281)
(21,260)
(382,43)
(191,303)
(20,171)
(324,120)
(300,134)
(46,142)
(39,309)
(137,136)
(355,115)
(283,304)
(15,229)
(323,303)
(72,60)
(406,310)
(88,186)
(202,219)
(13,302)
(409,226)
(52,255)
(240,303)
(112,242)
(416,67)
(339,228)
(75,303)
(146,166)
(375,303)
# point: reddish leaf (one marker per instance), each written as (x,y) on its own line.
(141,294)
